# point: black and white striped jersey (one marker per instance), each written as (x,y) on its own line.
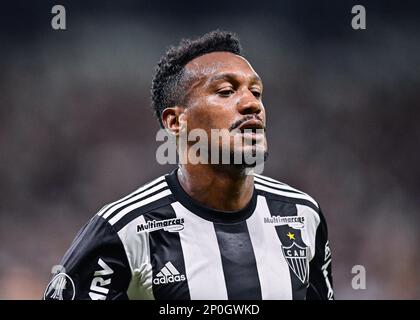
(159,243)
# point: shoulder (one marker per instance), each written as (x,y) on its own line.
(277,192)
(281,191)
(150,196)
(111,228)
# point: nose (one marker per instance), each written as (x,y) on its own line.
(249,104)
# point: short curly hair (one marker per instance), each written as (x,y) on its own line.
(168,86)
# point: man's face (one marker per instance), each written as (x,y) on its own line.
(226,93)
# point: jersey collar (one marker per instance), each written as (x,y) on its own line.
(205,212)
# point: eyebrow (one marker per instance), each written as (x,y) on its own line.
(232,76)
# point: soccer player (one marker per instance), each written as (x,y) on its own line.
(205,230)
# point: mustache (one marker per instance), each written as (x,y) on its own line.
(236,124)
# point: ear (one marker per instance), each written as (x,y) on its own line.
(174,119)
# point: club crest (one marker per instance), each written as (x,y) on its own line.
(296,257)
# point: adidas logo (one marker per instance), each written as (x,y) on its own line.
(168,274)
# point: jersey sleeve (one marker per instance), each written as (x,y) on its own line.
(95,267)
(320,276)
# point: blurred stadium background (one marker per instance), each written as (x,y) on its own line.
(76,129)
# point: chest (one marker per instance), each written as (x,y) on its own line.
(264,257)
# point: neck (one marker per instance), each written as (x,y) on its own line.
(221,188)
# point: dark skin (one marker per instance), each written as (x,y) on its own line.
(225,91)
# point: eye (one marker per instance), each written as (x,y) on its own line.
(256,93)
(225,92)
